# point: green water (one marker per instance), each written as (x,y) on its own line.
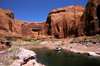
(65,58)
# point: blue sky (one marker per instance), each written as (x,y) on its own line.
(36,10)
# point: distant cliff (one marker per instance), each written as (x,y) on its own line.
(16,28)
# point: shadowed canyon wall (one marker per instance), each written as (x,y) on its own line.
(63,22)
(73,21)
(90,18)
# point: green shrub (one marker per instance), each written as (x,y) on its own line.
(6,61)
(33,39)
(10,39)
(84,38)
(15,50)
(71,47)
(74,39)
(25,39)
(54,40)
(42,40)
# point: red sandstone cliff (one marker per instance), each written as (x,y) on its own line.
(29,29)
(90,18)
(63,22)
(17,28)
(7,24)
(60,23)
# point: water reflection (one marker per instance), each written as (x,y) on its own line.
(65,58)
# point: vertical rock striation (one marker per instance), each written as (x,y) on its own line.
(90,18)
(63,22)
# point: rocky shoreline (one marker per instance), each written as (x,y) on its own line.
(23,57)
(90,47)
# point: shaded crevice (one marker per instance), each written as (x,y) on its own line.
(98,15)
(58,29)
(10,25)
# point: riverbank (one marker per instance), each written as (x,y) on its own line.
(18,56)
(90,47)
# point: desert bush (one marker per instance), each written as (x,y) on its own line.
(26,39)
(10,38)
(6,61)
(42,40)
(54,40)
(84,38)
(14,50)
(71,47)
(74,39)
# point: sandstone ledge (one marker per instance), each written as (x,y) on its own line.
(26,58)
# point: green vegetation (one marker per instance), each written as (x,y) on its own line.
(76,39)
(6,61)
(54,40)
(87,38)
(71,47)
(12,55)
(15,50)
(26,39)
(95,37)
(10,38)
(84,38)
(42,40)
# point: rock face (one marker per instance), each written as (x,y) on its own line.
(7,24)
(63,22)
(4,43)
(16,28)
(26,58)
(90,18)
(29,29)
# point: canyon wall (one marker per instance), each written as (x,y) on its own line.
(63,22)
(73,21)
(7,24)
(90,18)
(16,28)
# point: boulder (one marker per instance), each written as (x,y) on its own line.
(4,43)
(26,58)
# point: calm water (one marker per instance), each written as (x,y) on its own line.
(65,58)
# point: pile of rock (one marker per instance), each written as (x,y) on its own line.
(26,58)
(90,47)
(4,43)
(86,42)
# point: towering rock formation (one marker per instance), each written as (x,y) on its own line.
(7,24)
(91,18)
(63,22)
(17,28)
